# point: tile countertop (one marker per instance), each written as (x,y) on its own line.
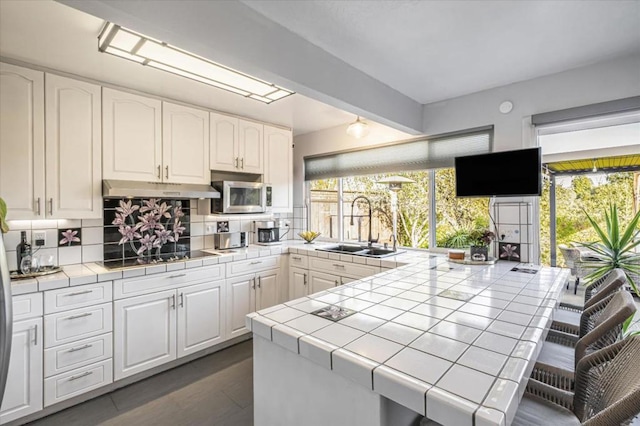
(455,361)
(89,273)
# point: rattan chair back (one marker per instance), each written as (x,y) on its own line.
(611,282)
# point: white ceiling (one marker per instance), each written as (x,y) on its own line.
(435,50)
(49,34)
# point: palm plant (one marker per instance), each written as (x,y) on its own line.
(615,248)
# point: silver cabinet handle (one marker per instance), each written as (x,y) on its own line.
(296,257)
(173,301)
(182,300)
(337,265)
(304,279)
(256,262)
(253,286)
(86,314)
(51,206)
(79,348)
(35,335)
(341,283)
(77,293)
(236,162)
(80,376)
(177,276)
(166,172)
(336,283)
(259,281)
(242,163)
(37,203)
(159,168)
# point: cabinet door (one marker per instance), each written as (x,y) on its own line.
(298,283)
(22,141)
(223,146)
(240,301)
(144,333)
(201,310)
(319,281)
(251,147)
(278,167)
(132,137)
(185,144)
(268,290)
(23,394)
(73,149)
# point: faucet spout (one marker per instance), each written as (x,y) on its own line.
(362,197)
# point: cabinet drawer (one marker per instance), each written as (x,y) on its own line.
(77,382)
(27,306)
(152,283)
(346,269)
(66,327)
(77,354)
(77,297)
(299,261)
(235,269)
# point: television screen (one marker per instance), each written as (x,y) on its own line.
(500,174)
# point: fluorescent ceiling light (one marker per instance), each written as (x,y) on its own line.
(136,47)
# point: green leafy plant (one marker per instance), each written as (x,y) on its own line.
(460,238)
(481,237)
(615,248)
(4,228)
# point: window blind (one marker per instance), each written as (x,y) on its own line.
(421,154)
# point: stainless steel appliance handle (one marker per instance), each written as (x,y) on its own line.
(79,348)
(86,314)
(79,376)
(77,293)
(6,318)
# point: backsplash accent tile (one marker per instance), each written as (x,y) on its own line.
(68,237)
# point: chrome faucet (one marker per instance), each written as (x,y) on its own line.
(370,240)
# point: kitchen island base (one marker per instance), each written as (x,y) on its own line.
(290,390)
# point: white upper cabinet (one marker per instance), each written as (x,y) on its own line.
(73,149)
(132,137)
(250,147)
(22,141)
(278,167)
(185,144)
(223,145)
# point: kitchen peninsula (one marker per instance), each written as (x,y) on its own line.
(453,342)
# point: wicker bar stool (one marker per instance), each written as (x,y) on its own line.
(567,317)
(607,391)
(556,363)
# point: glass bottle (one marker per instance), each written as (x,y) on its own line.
(23,249)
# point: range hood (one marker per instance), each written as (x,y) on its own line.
(130,189)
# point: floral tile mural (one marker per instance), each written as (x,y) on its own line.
(145,230)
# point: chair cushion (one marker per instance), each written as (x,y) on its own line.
(558,356)
(564,316)
(536,412)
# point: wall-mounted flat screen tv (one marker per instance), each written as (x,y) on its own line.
(500,174)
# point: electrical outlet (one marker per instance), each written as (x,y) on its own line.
(39,238)
(509,233)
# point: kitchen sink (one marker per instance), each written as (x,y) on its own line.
(361,250)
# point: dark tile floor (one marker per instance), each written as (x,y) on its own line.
(214,390)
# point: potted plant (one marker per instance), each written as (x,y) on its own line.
(480,239)
(615,248)
(4,228)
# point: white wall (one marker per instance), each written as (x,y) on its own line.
(615,79)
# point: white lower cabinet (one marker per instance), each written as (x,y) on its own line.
(157,328)
(298,283)
(77,382)
(144,332)
(201,317)
(250,293)
(319,281)
(23,394)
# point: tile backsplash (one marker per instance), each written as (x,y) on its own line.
(99,236)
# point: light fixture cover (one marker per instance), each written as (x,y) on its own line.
(128,44)
(358,129)
(395,182)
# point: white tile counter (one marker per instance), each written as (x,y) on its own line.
(452,342)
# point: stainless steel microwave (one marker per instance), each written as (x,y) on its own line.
(241,197)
